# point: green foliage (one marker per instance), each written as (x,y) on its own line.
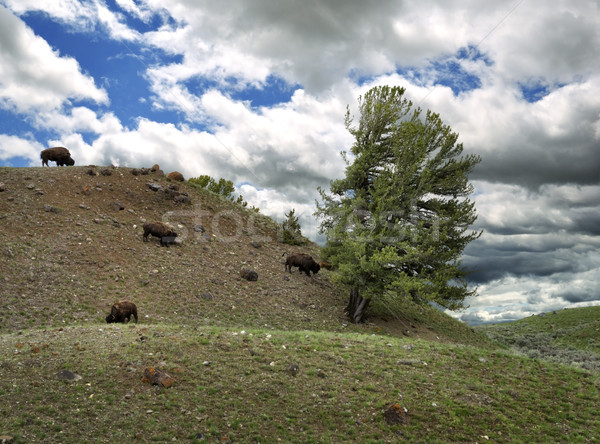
(223,187)
(291,233)
(397,223)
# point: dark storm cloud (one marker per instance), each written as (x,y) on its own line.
(490,264)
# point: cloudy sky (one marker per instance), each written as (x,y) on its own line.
(255,91)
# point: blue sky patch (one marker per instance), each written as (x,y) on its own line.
(451,74)
(275,91)
(532,92)
(448,71)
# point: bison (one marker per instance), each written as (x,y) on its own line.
(158,229)
(122,312)
(303,261)
(58,154)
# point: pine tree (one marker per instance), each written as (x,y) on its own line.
(290,230)
(398,222)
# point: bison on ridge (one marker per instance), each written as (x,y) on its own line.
(58,154)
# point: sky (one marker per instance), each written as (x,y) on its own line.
(256,91)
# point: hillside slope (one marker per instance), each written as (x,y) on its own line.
(71,245)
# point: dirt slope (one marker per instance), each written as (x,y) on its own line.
(71,245)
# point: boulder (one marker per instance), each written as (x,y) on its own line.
(67,375)
(249,275)
(155,376)
(155,186)
(176,176)
(395,414)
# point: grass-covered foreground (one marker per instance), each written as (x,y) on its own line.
(237,386)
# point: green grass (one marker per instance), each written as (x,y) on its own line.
(570,336)
(234,385)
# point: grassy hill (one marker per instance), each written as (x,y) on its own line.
(570,336)
(265,361)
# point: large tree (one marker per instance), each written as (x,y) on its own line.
(398,222)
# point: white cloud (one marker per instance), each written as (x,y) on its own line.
(73,12)
(33,76)
(13,146)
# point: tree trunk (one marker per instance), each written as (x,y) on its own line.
(356,306)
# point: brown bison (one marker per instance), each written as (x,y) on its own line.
(58,154)
(303,261)
(158,229)
(122,312)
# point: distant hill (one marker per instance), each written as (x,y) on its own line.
(570,336)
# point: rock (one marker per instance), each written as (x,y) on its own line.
(106,172)
(155,186)
(293,369)
(155,167)
(176,176)
(144,171)
(256,244)
(249,275)
(199,228)
(117,206)
(395,414)
(135,171)
(157,377)
(2,187)
(30,186)
(91,172)
(50,209)
(67,375)
(182,199)
(207,296)
(84,207)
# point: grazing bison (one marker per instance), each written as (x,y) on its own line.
(122,312)
(158,229)
(303,261)
(58,154)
